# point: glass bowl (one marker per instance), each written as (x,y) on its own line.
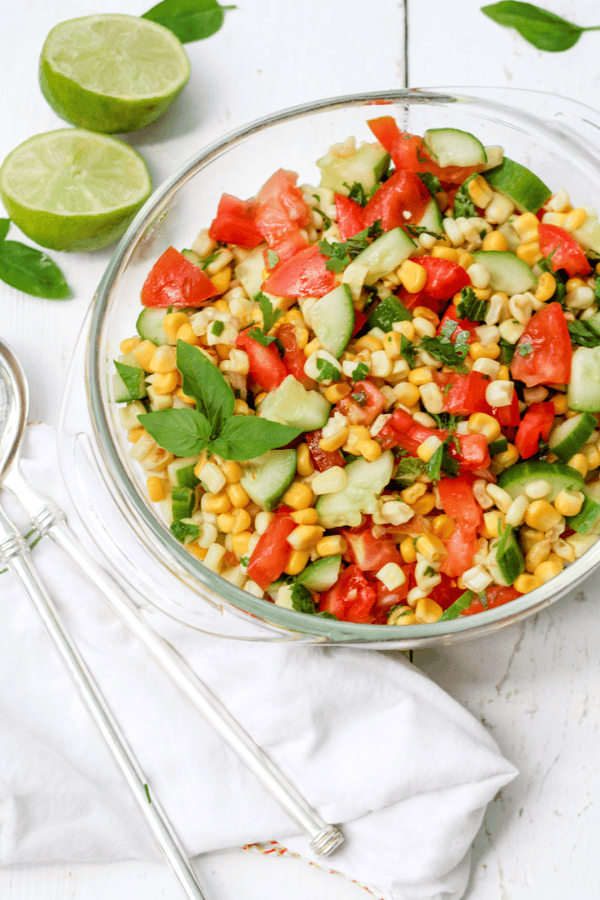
(554,136)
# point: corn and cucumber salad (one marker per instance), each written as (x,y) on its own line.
(376,399)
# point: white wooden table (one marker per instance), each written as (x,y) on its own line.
(536,686)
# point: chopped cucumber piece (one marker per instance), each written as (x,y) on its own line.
(267,478)
(249,273)
(498,446)
(182,502)
(525,189)
(594,323)
(588,235)
(366,167)
(568,438)
(432,218)
(192,257)
(508,273)
(321,575)
(181,471)
(557,474)
(452,147)
(129,383)
(460,604)
(385,254)
(366,480)
(587,519)
(332,319)
(584,387)
(387,312)
(509,556)
(150,325)
(291,404)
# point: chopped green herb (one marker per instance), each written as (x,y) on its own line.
(217,328)
(244,561)
(463,205)
(265,340)
(361,371)
(416,230)
(442,461)
(442,348)
(431,182)
(185,531)
(326,219)
(327,371)
(147,789)
(341,253)
(408,470)
(205,263)
(357,192)
(525,348)
(507,350)
(302,600)
(269,314)
(446,420)
(459,605)
(469,307)
(359,397)
(582,334)
(272,259)
(408,351)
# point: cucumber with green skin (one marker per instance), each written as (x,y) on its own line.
(267,478)
(390,310)
(321,575)
(583,392)
(181,472)
(559,476)
(365,167)
(453,147)
(332,319)
(366,481)
(386,253)
(149,325)
(587,519)
(569,437)
(519,184)
(508,273)
(291,404)
(509,556)
(182,502)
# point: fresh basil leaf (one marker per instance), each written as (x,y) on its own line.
(183,432)
(189,20)
(463,205)
(270,315)
(469,307)
(408,470)
(4,226)
(582,334)
(361,371)
(133,379)
(327,371)
(302,600)
(31,271)
(543,29)
(245,437)
(202,380)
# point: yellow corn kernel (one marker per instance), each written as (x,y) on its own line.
(427,611)
(292,317)
(503,374)
(215,503)
(548,569)
(423,312)
(196,550)
(335,442)
(480,192)
(240,543)
(226,523)
(443,526)
(412,276)
(401,615)
(313,346)
(428,447)
(164,361)
(494,240)
(301,335)
(493,520)
(507,458)
(243,520)
(144,353)
(592,455)
(482,293)
(337,392)
(405,328)
(369,342)
(482,423)
(134,434)
(574,283)
(332,545)
(465,260)
(304,464)
(411,494)
(241,408)
(580,463)
(221,305)
(561,404)
(527,582)
(165,383)
(442,252)
(431,547)
(232,471)
(369,450)
(526,227)
(303,537)
(222,280)
(155,489)
(308,516)
(407,394)
(186,334)
(545,287)
(238,496)
(542,515)
(530,253)
(569,503)
(391,344)
(298,561)
(298,496)
(537,553)
(223,351)
(420,375)
(479,351)
(129,344)
(575,219)
(408,550)
(172,322)
(424,505)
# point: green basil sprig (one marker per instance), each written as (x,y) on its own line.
(29,270)
(543,29)
(211,425)
(189,20)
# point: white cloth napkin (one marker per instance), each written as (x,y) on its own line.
(370,741)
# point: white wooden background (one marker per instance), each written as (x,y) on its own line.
(537,686)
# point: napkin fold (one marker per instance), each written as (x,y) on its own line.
(370,741)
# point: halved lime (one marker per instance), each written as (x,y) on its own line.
(73,189)
(112,73)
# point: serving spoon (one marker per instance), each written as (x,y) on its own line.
(49,520)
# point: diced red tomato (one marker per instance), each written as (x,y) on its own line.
(369,553)
(235,222)
(543,354)
(272,553)
(174,281)
(458,500)
(461,547)
(401,430)
(351,599)
(387,599)
(403,193)
(322,459)
(350,216)
(359,320)
(563,250)
(535,424)
(283,236)
(446,592)
(266,367)
(473,453)
(508,416)
(363,404)
(444,277)
(461,325)
(408,152)
(496,596)
(293,357)
(463,394)
(304,275)
(282,186)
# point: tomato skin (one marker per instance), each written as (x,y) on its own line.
(351,599)
(293,357)
(536,424)
(564,250)
(303,275)
(282,186)
(446,592)
(367,412)
(458,500)
(350,216)
(496,596)
(174,281)
(462,324)
(465,394)
(266,367)
(508,416)
(322,459)
(444,277)
(547,346)
(473,453)
(235,222)
(283,236)
(369,553)
(403,193)
(401,430)
(272,553)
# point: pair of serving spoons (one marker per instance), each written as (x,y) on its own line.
(50,521)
